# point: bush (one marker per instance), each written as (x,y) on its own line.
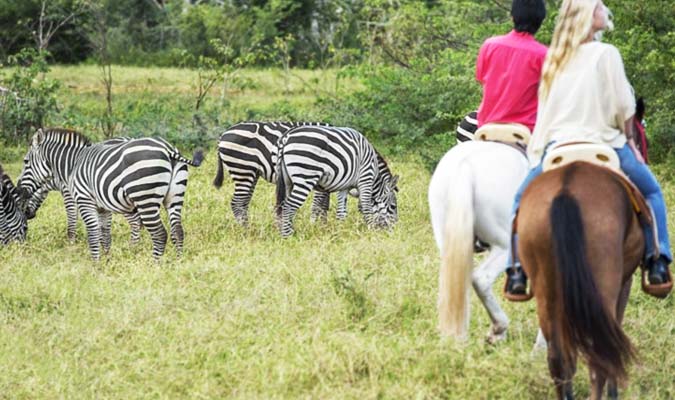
(28,97)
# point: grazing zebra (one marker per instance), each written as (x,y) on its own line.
(35,202)
(128,177)
(13,222)
(333,159)
(248,151)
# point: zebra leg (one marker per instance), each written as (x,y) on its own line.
(294,200)
(153,223)
(341,212)
(320,205)
(244,185)
(90,217)
(136,225)
(71,214)
(105,221)
(177,234)
(365,187)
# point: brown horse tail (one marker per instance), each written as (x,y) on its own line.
(587,325)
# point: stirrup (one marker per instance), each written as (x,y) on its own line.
(518,298)
(659,290)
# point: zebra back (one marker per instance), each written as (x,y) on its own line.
(250,149)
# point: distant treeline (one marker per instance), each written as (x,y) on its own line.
(416,58)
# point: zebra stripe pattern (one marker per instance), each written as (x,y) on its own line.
(13,222)
(333,159)
(248,151)
(128,177)
(467,127)
(35,202)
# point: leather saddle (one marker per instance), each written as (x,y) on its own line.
(511,134)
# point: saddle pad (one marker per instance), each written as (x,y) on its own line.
(568,152)
(509,133)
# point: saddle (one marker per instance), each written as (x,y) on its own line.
(564,153)
(510,134)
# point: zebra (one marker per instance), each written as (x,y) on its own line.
(35,202)
(333,159)
(248,150)
(132,176)
(467,127)
(13,221)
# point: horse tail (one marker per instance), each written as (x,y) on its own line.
(456,255)
(587,325)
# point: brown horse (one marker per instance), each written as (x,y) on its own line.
(580,242)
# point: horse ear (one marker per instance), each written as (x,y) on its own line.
(39,137)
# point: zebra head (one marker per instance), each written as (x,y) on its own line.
(385,208)
(37,171)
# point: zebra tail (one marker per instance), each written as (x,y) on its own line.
(281,187)
(218,180)
(197,158)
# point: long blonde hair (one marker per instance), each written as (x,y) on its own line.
(572,28)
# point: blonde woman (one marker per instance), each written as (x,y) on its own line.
(584,95)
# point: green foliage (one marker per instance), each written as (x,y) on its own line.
(28,97)
(645,34)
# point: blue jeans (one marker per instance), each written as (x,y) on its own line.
(640,174)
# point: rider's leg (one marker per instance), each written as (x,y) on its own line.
(516,281)
(640,174)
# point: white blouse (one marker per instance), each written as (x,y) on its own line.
(590,99)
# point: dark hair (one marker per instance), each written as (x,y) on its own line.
(528,15)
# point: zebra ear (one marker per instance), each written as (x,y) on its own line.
(39,137)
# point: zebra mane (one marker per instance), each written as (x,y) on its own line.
(65,136)
(381,161)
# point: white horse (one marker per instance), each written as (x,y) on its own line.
(470,195)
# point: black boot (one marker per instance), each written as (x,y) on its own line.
(516,280)
(658,271)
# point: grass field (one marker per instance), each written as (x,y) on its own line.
(337,311)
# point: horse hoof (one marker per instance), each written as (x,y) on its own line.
(496,335)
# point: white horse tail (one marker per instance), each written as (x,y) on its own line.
(456,255)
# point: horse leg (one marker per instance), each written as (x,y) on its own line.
(561,372)
(540,343)
(483,278)
(612,386)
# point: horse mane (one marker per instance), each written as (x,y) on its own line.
(70,136)
(640,109)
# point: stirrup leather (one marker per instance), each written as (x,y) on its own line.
(508,133)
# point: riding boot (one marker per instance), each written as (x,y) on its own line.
(658,271)
(516,280)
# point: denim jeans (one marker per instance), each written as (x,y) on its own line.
(645,181)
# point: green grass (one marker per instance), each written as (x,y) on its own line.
(337,311)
